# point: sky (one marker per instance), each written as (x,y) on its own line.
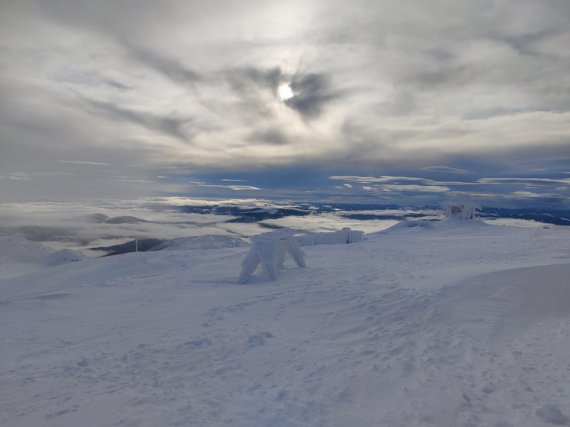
(409,102)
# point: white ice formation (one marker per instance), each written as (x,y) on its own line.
(269,250)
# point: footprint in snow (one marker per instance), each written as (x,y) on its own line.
(200,342)
(258,339)
(552,414)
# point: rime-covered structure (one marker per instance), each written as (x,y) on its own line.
(346,235)
(460,211)
(269,251)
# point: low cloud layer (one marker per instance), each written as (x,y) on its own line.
(112,99)
(489,191)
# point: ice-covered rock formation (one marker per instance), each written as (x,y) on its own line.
(269,250)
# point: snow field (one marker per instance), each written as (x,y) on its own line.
(447,325)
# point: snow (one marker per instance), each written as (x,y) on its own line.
(19,256)
(268,252)
(344,236)
(440,325)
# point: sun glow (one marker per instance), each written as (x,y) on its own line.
(285,92)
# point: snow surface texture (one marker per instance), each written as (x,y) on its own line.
(441,326)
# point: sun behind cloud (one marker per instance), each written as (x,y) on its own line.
(285,92)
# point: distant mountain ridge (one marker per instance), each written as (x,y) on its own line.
(100,218)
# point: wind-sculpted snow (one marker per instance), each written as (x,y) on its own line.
(19,256)
(443,326)
(269,252)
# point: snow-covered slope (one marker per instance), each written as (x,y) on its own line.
(446,325)
(19,256)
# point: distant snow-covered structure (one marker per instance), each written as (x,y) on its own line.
(460,211)
(269,251)
(346,235)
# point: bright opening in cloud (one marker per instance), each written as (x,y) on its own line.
(285,92)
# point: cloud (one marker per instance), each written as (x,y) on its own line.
(232,187)
(71,224)
(80,162)
(242,79)
(312,92)
(369,179)
(524,180)
(398,179)
(527,194)
(16,176)
(413,188)
(270,135)
(480,181)
(493,191)
(426,89)
(167,66)
(162,124)
(445,169)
